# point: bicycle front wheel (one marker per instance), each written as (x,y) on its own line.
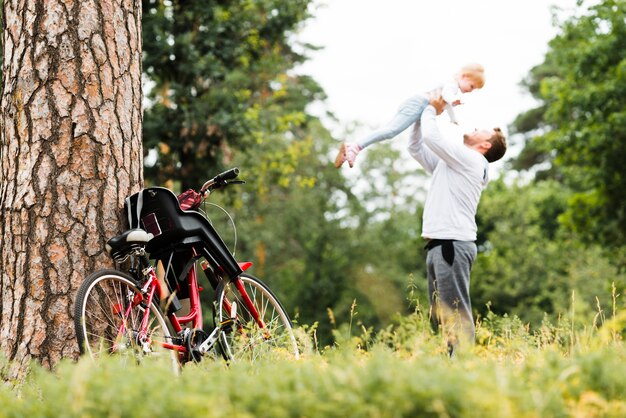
(261,326)
(108,319)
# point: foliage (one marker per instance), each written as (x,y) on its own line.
(404,372)
(224,93)
(388,253)
(578,127)
(283,213)
(312,240)
(528,266)
(216,69)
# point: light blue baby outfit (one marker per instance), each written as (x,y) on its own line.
(410,111)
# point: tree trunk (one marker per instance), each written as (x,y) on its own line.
(70,153)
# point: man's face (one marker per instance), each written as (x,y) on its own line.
(478,136)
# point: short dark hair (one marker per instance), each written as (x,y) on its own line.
(498,146)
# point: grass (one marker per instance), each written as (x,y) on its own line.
(560,370)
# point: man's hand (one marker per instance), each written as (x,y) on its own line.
(437,102)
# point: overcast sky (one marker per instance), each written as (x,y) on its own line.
(377,53)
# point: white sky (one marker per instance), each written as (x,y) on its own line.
(377,53)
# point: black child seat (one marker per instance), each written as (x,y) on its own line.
(177,232)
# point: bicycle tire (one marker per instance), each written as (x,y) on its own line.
(97,320)
(246,340)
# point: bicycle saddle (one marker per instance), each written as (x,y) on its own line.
(122,243)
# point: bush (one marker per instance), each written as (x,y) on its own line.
(403,371)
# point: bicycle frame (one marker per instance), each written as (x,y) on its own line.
(153,286)
(195,309)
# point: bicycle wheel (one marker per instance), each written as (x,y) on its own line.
(261,328)
(108,316)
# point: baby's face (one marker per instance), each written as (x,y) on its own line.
(466,84)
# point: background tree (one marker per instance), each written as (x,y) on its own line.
(529,265)
(562,233)
(213,67)
(70,153)
(320,246)
(577,131)
(224,93)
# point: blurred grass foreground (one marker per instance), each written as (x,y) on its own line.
(560,370)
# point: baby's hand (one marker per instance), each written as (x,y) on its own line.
(457,102)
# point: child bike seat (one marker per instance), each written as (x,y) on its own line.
(157,211)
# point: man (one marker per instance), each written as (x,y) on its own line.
(459,175)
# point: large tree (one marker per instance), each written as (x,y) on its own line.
(70,153)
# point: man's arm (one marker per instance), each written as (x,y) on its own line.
(418,150)
(454,153)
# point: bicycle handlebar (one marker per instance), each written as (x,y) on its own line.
(227,175)
(191,200)
(220,180)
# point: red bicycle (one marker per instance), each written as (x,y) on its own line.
(140,311)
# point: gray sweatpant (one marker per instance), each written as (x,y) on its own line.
(448,287)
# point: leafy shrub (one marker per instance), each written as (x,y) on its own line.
(402,371)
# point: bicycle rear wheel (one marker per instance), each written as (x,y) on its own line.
(261,328)
(108,316)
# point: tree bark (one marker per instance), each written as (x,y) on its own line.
(70,153)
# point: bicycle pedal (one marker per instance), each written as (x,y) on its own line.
(194,339)
(208,343)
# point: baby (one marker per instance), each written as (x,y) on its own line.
(469,78)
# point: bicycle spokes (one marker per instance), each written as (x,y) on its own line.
(261,326)
(116,318)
